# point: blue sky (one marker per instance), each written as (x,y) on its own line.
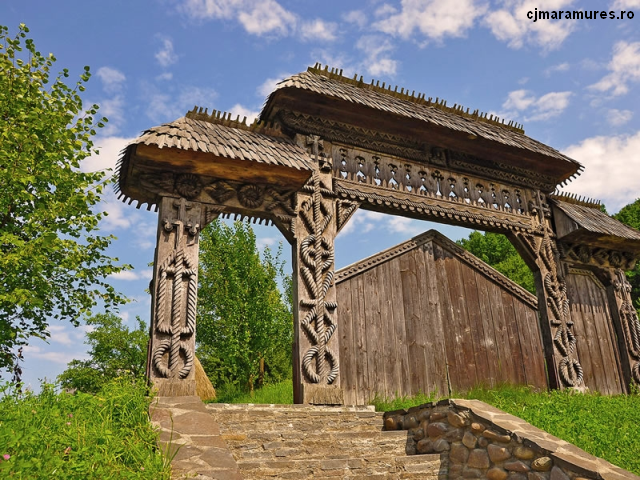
(574,85)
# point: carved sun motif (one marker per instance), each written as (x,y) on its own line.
(188,185)
(251,196)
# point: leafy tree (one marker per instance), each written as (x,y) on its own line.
(52,265)
(245,327)
(496,250)
(630,215)
(115,351)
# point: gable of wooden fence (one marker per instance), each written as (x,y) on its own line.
(428,316)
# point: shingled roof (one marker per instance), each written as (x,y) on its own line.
(332,85)
(234,140)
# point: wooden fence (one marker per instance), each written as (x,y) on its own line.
(428,316)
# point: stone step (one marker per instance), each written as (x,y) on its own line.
(371,467)
(333,445)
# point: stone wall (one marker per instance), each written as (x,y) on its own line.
(480,441)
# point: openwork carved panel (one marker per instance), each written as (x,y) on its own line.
(398,185)
(597,257)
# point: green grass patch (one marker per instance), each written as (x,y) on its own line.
(605,426)
(59,435)
(276,393)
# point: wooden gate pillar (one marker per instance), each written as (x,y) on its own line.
(170,358)
(625,320)
(540,252)
(316,352)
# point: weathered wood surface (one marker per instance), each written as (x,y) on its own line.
(424,319)
(596,339)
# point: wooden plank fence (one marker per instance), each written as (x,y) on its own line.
(427,316)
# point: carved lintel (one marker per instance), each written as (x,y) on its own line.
(597,257)
(345,209)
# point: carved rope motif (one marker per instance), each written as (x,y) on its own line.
(171,276)
(564,338)
(629,320)
(317,257)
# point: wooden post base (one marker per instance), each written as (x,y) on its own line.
(321,394)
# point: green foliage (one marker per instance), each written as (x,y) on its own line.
(115,351)
(81,436)
(630,215)
(383,404)
(242,317)
(51,265)
(496,250)
(280,393)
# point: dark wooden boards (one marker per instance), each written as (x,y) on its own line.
(425,321)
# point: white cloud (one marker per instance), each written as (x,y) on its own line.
(364,221)
(258,17)
(616,117)
(510,24)
(624,68)
(263,242)
(165,76)
(111,79)
(376,50)
(166,56)
(238,109)
(535,108)
(434,19)
(109,148)
(622,4)
(55,357)
(318,30)
(113,110)
(269,85)
(562,67)
(116,215)
(356,17)
(59,334)
(615,157)
(167,106)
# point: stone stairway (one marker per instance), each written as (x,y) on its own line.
(302,441)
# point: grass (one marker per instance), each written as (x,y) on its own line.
(59,435)
(605,426)
(277,393)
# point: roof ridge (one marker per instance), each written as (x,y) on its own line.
(419,99)
(577,200)
(219,117)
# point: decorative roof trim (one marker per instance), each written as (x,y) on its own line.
(419,99)
(218,117)
(574,199)
(433,235)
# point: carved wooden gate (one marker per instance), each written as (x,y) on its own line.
(327,145)
(427,316)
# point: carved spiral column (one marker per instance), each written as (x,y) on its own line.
(316,355)
(174,298)
(556,326)
(627,318)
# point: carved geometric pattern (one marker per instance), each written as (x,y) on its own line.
(599,257)
(316,269)
(179,267)
(629,319)
(344,211)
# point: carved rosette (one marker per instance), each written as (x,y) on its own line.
(564,339)
(319,362)
(629,320)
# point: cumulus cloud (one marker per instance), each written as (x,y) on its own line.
(132,275)
(166,106)
(562,67)
(377,49)
(614,157)
(109,148)
(166,55)
(258,17)
(318,30)
(243,111)
(364,221)
(63,358)
(622,4)
(269,85)
(616,117)
(624,68)
(433,19)
(355,17)
(524,102)
(111,78)
(510,24)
